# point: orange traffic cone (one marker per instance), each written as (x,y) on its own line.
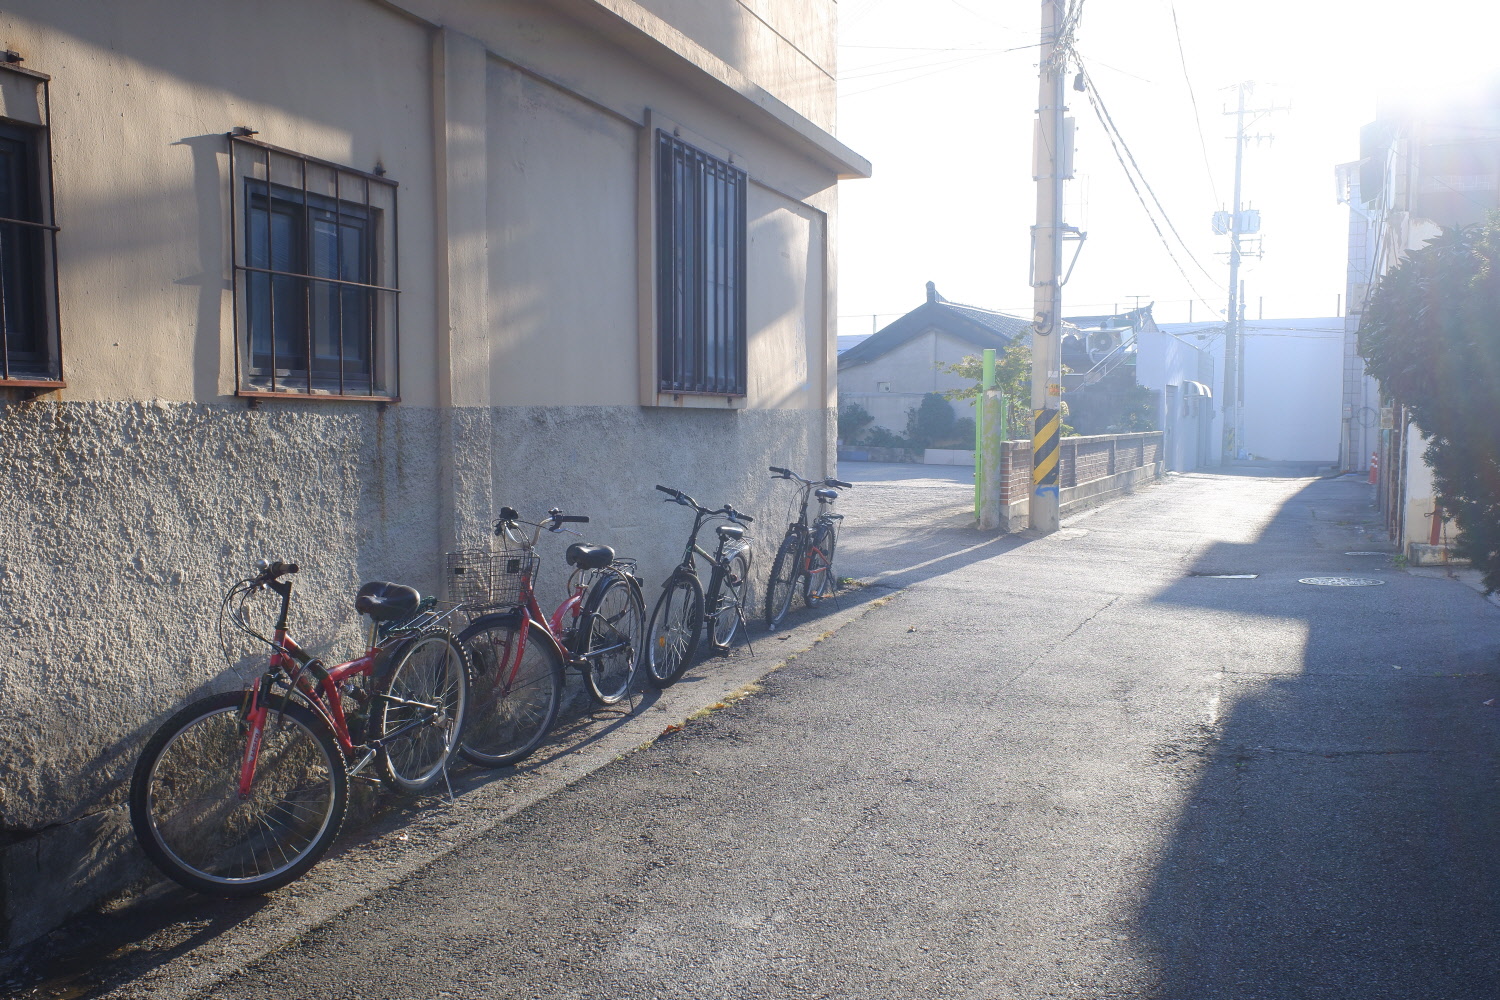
(1374,468)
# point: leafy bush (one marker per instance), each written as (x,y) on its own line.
(853,419)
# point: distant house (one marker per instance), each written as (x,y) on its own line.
(890,371)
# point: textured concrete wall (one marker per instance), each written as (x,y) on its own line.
(126,522)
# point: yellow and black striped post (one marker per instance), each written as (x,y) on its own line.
(1044,453)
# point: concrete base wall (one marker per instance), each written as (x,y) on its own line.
(125,523)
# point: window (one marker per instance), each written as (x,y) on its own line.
(700,262)
(29,350)
(315,276)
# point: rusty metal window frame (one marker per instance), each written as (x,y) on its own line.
(701,240)
(28,251)
(288,309)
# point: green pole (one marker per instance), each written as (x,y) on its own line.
(986,383)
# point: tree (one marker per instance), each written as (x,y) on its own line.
(853,419)
(1012,378)
(1430,335)
(930,422)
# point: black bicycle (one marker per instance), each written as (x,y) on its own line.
(806,552)
(685,604)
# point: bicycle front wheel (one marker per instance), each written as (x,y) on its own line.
(783,583)
(612,632)
(821,581)
(517,691)
(191,821)
(420,710)
(730,605)
(672,638)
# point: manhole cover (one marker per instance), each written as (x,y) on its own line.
(1341,581)
(1366,553)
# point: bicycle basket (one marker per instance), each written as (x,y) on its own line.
(481,578)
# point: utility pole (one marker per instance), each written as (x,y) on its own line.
(1232,330)
(1237,222)
(1051,165)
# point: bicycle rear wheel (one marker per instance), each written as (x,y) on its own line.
(421,701)
(614,620)
(782,586)
(731,604)
(517,691)
(821,582)
(672,638)
(192,823)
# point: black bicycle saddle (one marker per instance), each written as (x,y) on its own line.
(387,602)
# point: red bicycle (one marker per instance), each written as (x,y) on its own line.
(242,792)
(519,654)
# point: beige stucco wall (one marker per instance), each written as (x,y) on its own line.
(137,493)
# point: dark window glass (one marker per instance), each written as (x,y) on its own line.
(25,240)
(310,311)
(701,337)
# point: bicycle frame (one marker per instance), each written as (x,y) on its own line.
(323,691)
(720,558)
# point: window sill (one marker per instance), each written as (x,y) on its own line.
(698,401)
(255,396)
(31,388)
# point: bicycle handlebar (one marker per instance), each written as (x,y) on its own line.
(783,473)
(677,496)
(839,483)
(789,474)
(270,571)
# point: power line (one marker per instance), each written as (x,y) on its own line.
(1193,96)
(1122,152)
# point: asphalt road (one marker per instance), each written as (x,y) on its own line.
(1136,758)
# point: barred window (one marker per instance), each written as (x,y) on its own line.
(700,238)
(315,276)
(30,352)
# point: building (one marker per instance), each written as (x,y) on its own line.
(334,282)
(890,371)
(1420,170)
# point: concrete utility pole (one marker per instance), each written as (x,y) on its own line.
(1047,240)
(1233,329)
(1237,222)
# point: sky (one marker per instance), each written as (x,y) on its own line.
(941,97)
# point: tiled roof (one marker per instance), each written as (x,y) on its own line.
(981,327)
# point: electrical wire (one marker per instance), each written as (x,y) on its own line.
(1132,172)
(1193,96)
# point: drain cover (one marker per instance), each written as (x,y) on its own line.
(1341,581)
(1366,553)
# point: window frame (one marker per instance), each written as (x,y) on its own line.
(258,198)
(695,330)
(42,276)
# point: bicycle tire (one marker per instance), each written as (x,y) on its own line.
(672,638)
(820,582)
(510,713)
(188,815)
(430,669)
(613,614)
(782,586)
(730,605)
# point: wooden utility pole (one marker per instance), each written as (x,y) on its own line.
(1047,240)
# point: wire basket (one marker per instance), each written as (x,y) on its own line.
(480,578)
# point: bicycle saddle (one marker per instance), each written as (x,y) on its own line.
(730,531)
(826,494)
(585,555)
(386,602)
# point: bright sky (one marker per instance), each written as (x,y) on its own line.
(941,96)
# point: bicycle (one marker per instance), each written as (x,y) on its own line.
(679,615)
(806,551)
(520,655)
(240,793)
